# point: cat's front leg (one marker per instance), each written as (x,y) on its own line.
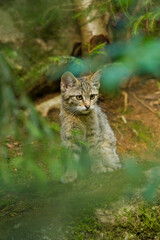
(109,156)
(71,142)
(93,149)
(96,161)
(70,176)
(71,172)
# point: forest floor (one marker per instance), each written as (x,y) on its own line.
(135,117)
(107,206)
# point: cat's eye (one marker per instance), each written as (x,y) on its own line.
(92,96)
(79,97)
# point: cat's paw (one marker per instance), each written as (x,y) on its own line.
(69,177)
(112,167)
(113,163)
(109,169)
(98,169)
(118,165)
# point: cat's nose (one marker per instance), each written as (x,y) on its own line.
(87,106)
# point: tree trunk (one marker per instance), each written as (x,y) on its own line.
(93,26)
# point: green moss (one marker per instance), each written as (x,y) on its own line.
(50,68)
(144,132)
(141,134)
(89,228)
(137,222)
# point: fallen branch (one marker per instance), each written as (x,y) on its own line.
(46,106)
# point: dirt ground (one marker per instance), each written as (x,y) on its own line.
(135,116)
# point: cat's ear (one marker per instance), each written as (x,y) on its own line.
(95,79)
(68,80)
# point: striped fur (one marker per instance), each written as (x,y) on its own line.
(85,116)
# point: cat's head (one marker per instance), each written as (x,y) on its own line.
(79,95)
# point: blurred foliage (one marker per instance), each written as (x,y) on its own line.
(139,56)
(31,154)
(129,17)
(21,125)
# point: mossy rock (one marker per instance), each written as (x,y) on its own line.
(45,76)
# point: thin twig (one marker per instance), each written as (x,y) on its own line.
(120,134)
(125,100)
(145,105)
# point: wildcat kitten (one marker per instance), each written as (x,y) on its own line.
(80,112)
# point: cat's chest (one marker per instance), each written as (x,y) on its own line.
(89,122)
